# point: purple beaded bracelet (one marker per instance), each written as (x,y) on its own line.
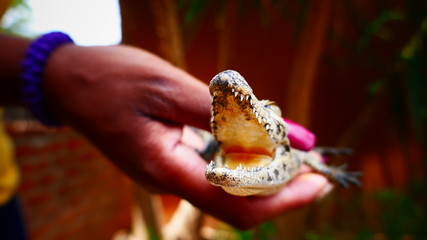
(32,74)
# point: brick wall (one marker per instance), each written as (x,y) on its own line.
(68,189)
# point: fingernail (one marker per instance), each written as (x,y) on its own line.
(300,137)
(325,191)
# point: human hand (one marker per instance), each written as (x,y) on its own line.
(133,106)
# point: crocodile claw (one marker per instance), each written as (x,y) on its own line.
(345,178)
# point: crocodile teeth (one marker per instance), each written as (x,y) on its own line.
(232,90)
(247,97)
(255,169)
(212,164)
(267,126)
(242,97)
(259,120)
(254,110)
(236,93)
(251,102)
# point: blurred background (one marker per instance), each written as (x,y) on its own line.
(353,72)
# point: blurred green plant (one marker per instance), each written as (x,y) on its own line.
(378,27)
(152,234)
(193,8)
(395,215)
(16,19)
(265,231)
(313,236)
(414,55)
(402,214)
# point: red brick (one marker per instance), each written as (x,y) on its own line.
(26,186)
(38,200)
(69,190)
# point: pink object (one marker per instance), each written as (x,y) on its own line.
(300,137)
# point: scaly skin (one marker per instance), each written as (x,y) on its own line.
(254,155)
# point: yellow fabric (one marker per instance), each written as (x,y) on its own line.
(9,175)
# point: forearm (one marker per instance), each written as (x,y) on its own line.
(12,51)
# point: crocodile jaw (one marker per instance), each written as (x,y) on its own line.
(254,181)
(249,132)
(236,125)
(242,138)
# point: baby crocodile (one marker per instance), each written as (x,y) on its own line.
(254,156)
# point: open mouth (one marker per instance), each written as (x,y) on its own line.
(244,138)
(252,139)
(237,157)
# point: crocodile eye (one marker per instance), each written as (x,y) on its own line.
(272,106)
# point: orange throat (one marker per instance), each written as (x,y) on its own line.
(246,157)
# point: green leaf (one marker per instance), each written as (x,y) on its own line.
(195,9)
(377,27)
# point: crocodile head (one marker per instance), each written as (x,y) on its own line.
(251,136)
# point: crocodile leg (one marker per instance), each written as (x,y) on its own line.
(335,173)
(209,151)
(211,146)
(333,151)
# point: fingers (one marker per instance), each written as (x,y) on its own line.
(177,95)
(302,191)
(192,108)
(192,138)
